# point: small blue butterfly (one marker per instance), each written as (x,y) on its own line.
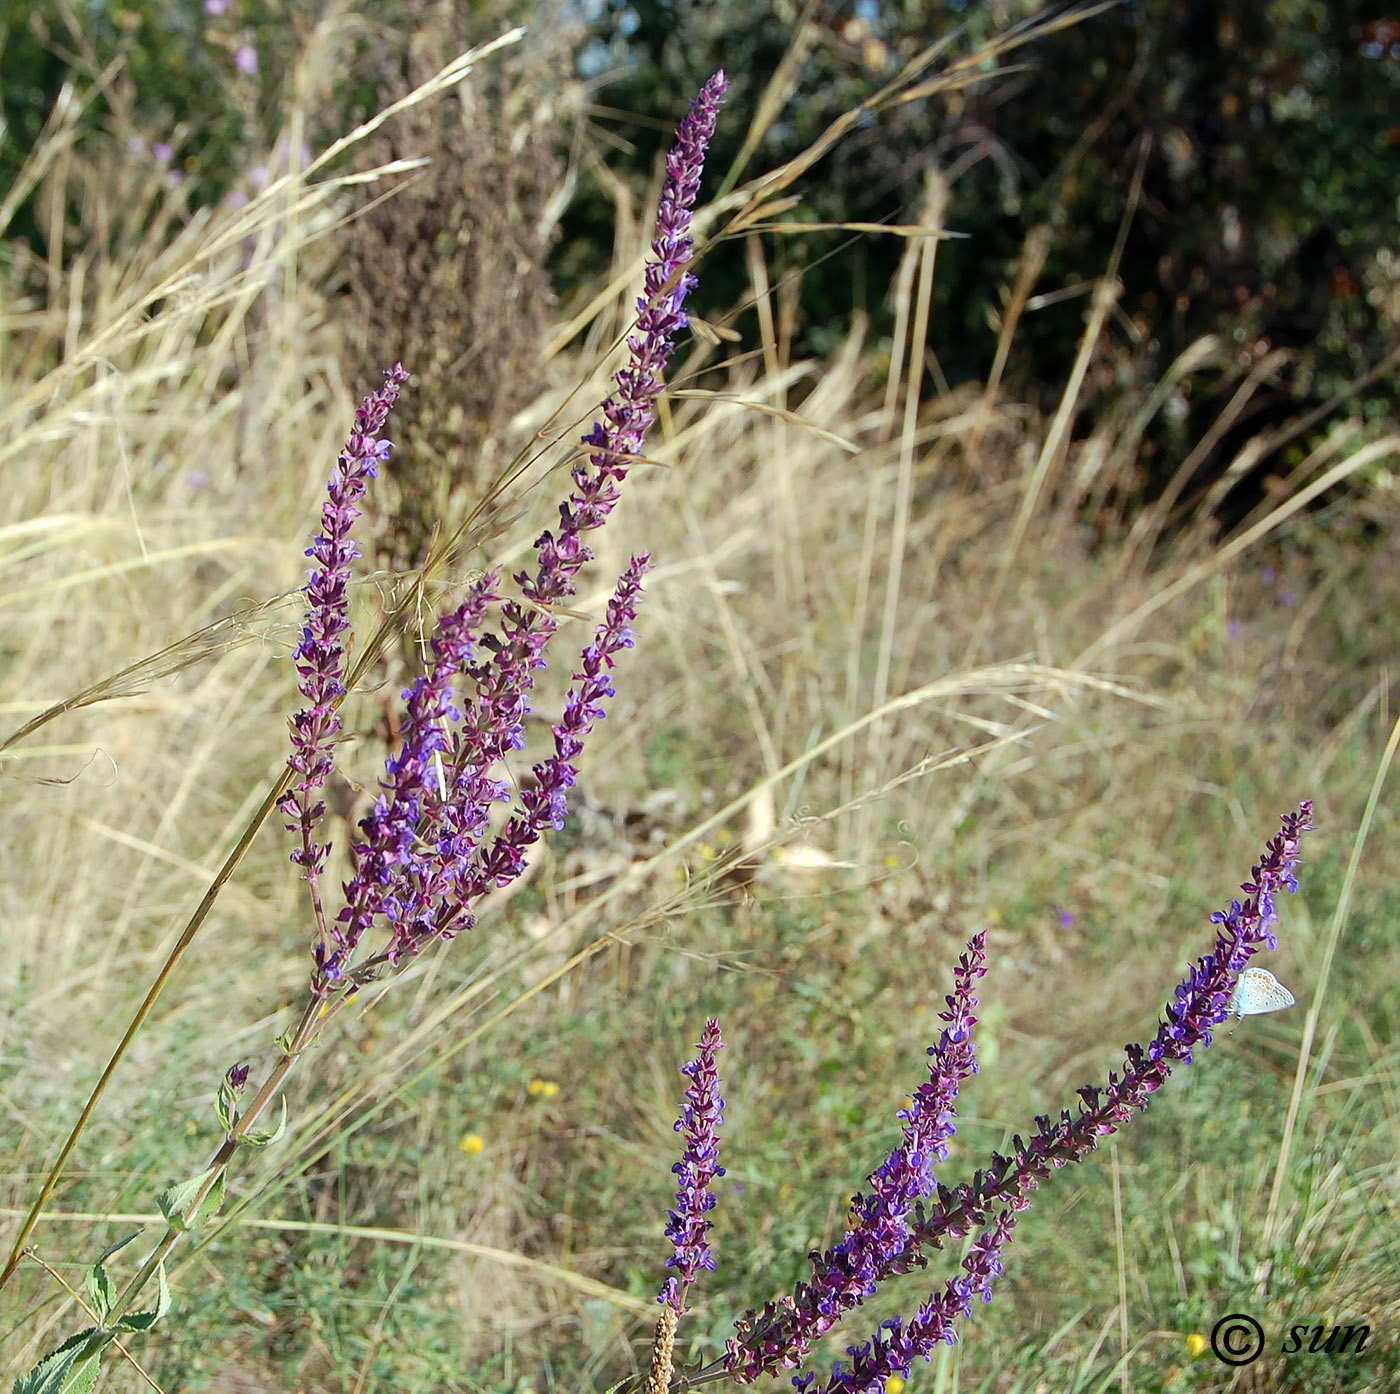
(1257,991)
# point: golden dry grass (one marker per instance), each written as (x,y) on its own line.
(888,688)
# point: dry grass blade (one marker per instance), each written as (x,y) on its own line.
(203,645)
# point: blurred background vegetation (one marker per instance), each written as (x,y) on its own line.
(1145,445)
(1249,154)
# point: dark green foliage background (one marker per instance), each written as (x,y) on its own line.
(1278,117)
(1281,118)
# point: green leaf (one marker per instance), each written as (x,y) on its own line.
(118,1246)
(228,1115)
(177,1200)
(143,1321)
(101,1290)
(267,1139)
(71,1369)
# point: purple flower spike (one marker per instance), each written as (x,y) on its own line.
(614,441)
(1201,1002)
(320,656)
(1251,924)
(418,830)
(465,879)
(897,1345)
(782,1333)
(894,1228)
(701,1116)
(424,861)
(630,411)
(667,283)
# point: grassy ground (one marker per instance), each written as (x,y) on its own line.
(889,688)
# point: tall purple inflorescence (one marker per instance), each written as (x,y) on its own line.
(894,1228)
(698,1169)
(1200,1003)
(425,856)
(782,1333)
(320,656)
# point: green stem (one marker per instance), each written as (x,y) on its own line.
(315,1016)
(138,1021)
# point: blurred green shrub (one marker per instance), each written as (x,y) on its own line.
(1271,131)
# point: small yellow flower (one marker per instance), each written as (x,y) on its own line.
(472,1144)
(542,1088)
(1196,1344)
(894,1384)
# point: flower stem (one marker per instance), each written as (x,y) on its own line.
(315,1016)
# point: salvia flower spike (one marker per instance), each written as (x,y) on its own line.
(906,1213)
(320,656)
(698,1169)
(782,1333)
(425,855)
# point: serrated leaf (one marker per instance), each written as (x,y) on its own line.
(267,1139)
(143,1321)
(175,1201)
(71,1369)
(101,1290)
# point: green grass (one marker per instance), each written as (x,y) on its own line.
(816,911)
